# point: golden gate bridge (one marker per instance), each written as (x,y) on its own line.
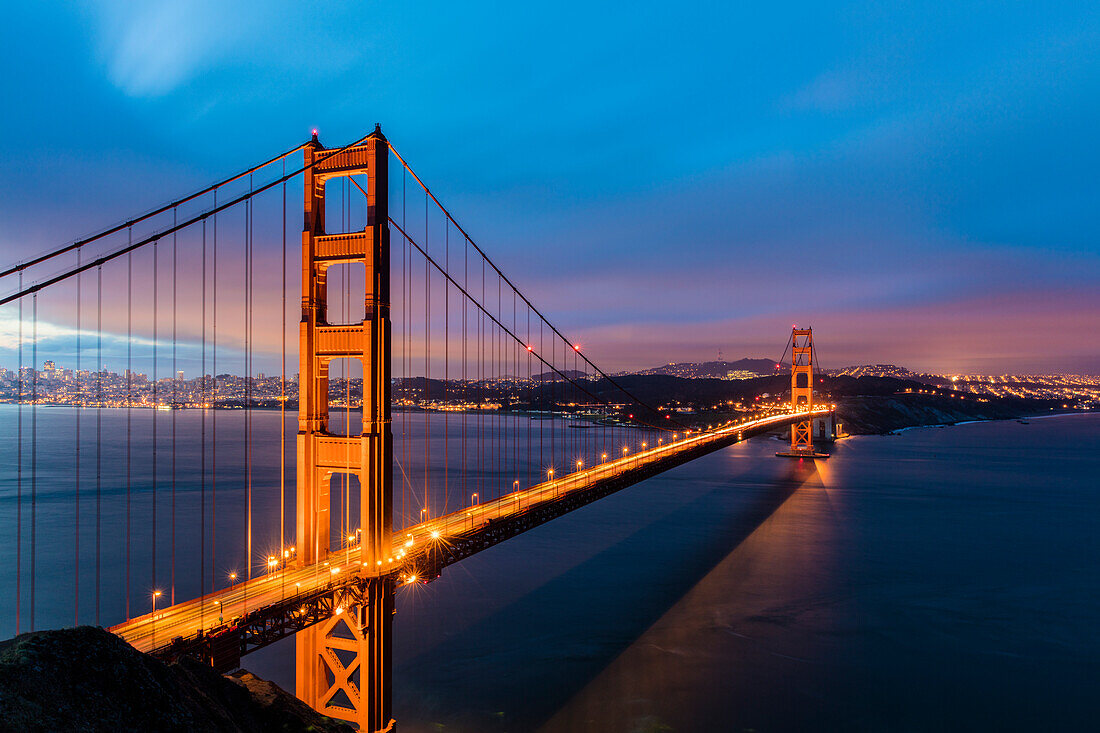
(426,327)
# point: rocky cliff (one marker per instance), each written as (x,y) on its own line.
(88,679)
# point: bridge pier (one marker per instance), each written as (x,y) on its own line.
(344,662)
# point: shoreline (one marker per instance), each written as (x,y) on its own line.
(899,431)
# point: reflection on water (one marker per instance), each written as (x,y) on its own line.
(741,616)
(942,580)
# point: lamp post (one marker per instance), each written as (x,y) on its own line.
(156,595)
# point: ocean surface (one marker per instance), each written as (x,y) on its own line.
(940,579)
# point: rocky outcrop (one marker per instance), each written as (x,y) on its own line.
(87,679)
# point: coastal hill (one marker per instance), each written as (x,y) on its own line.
(742,368)
(88,679)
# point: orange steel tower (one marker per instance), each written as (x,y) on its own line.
(802,393)
(344,663)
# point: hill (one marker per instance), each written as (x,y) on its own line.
(88,679)
(714,369)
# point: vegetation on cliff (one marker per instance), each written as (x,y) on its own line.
(88,679)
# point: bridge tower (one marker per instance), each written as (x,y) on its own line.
(344,663)
(802,393)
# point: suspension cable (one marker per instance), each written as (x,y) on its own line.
(79,405)
(511,284)
(430,260)
(282,396)
(175,409)
(175,228)
(34,449)
(19,476)
(98,435)
(127,224)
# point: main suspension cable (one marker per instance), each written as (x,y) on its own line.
(175,228)
(513,286)
(127,224)
(430,260)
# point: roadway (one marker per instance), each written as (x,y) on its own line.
(218,609)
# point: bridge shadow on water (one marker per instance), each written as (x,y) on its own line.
(546,647)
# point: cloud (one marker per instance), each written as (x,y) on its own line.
(150,49)
(47,332)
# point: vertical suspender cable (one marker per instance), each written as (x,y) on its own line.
(19,475)
(98,433)
(175,405)
(446,366)
(282,393)
(129,405)
(404,359)
(34,449)
(530,401)
(214,405)
(542,398)
(153,527)
(79,405)
(427,364)
(247,385)
(465,310)
(202,439)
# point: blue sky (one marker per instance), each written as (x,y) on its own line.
(916,180)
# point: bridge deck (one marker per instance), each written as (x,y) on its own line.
(420,551)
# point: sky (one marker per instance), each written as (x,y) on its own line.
(915,180)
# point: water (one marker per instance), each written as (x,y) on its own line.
(944,579)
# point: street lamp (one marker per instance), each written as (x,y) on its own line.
(156,595)
(474,499)
(232,577)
